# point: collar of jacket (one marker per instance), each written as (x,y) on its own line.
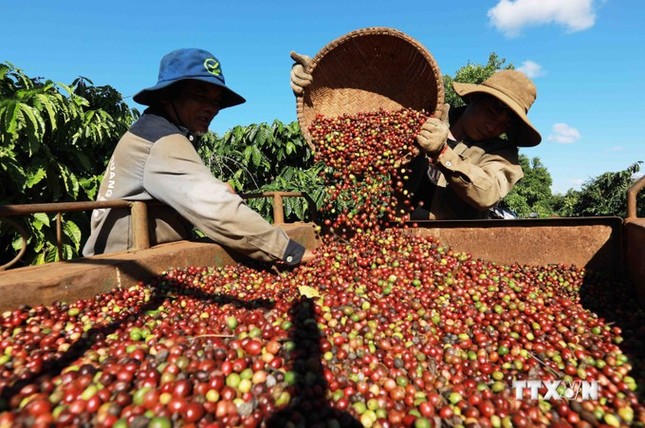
(182,129)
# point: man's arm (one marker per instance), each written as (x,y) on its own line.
(174,174)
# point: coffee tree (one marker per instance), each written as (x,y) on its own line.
(267,157)
(532,195)
(604,195)
(54,143)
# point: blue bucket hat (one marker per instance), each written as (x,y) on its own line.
(190,64)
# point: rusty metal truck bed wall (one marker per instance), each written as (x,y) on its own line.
(601,243)
(635,254)
(584,242)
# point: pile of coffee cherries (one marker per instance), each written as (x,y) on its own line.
(381,330)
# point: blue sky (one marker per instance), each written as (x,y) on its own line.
(586,57)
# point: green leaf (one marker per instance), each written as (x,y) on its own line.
(34,125)
(69,180)
(9,118)
(91,185)
(40,259)
(51,253)
(264,135)
(290,148)
(257,156)
(35,176)
(40,219)
(73,232)
(16,244)
(43,101)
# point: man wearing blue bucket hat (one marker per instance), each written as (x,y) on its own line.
(156,160)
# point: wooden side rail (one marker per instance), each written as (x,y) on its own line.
(138,209)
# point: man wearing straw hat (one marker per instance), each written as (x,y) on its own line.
(466,166)
(156,160)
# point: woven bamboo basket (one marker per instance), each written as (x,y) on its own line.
(367,70)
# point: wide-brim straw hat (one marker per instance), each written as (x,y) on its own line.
(367,70)
(515,90)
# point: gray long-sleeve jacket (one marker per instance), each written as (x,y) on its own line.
(155,159)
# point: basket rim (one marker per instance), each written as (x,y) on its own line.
(379,30)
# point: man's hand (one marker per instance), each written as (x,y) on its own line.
(300,77)
(307,256)
(435,131)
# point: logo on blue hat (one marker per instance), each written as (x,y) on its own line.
(213,67)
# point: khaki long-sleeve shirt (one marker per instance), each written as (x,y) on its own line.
(467,180)
(155,160)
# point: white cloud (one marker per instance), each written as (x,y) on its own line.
(512,16)
(531,68)
(563,133)
(615,149)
